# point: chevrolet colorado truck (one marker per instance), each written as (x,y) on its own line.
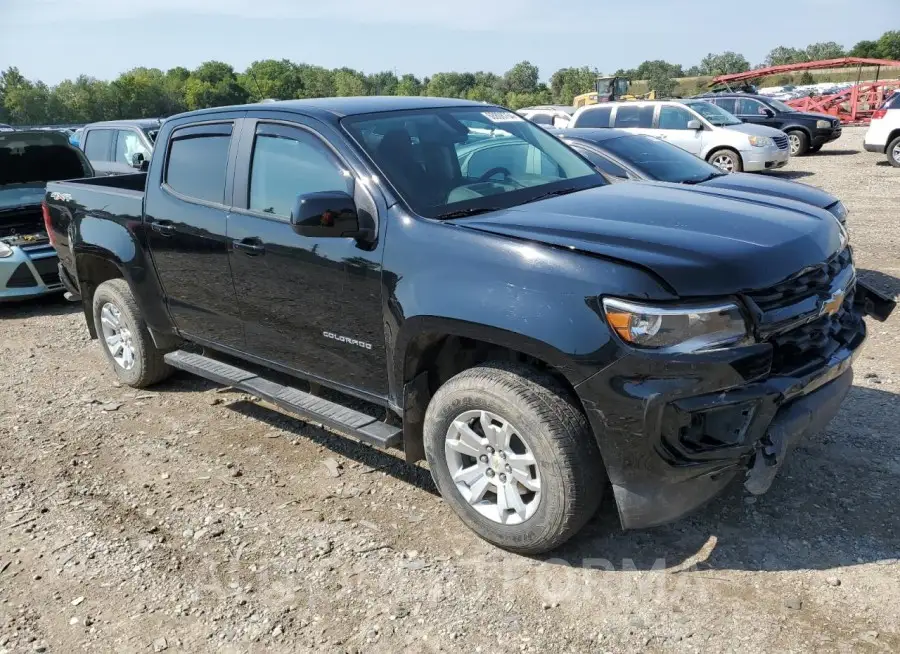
(537,334)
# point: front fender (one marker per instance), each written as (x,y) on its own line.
(444,279)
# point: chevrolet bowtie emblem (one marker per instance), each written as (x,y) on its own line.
(833,304)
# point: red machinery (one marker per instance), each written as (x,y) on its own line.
(854,105)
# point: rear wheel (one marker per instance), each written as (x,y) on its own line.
(799,143)
(124,336)
(726,160)
(513,457)
(893,152)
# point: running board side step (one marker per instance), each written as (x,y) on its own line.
(310,407)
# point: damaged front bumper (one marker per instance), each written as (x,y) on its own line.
(674,430)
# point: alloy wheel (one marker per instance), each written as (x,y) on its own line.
(493,467)
(724,162)
(795,144)
(117,336)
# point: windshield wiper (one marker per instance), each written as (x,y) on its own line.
(463,213)
(552,194)
(703,179)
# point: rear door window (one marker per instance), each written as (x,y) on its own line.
(98,144)
(634,116)
(198,160)
(728,104)
(598,117)
(606,165)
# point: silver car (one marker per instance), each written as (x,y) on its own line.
(28,160)
(699,127)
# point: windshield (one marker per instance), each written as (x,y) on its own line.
(715,115)
(778,105)
(658,160)
(448,162)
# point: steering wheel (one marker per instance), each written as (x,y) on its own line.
(507,176)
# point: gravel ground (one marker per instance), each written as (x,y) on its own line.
(191,519)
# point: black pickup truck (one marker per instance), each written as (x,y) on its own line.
(534,332)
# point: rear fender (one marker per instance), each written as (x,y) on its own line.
(108,249)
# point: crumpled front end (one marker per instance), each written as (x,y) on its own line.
(675,429)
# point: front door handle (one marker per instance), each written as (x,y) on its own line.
(163,227)
(250,246)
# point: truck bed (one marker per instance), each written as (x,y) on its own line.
(79,206)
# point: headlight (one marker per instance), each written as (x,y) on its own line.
(5,250)
(686,328)
(761,141)
(839,211)
(823,124)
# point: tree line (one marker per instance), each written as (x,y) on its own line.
(151,92)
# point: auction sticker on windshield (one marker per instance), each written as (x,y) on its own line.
(502,116)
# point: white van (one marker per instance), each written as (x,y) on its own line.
(697,126)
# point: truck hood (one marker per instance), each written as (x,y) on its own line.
(700,243)
(773,187)
(755,130)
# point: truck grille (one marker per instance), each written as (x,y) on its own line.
(816,341)
(817,280)
(781,142)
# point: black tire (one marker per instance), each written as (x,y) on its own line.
(149,366)
(573,478)
(737,163)
(893,152)
(795,136)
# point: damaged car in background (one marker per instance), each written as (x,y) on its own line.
(28,160)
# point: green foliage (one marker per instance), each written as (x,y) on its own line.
(889,45)
(806,78)
(866,49)
(150,92)
(566,83)
(724,64)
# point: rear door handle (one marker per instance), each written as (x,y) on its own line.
(251,246)
(163,227)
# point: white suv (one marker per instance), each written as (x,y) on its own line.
(697,126)
(884,131)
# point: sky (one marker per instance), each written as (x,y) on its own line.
(53,40)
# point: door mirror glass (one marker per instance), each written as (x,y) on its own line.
(695,125)
(327,213)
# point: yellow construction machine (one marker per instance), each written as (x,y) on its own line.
(610,89)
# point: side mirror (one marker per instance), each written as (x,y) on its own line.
(329,214)
(138,161)
(768,112)
(695,125)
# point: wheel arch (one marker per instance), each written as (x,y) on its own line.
(441,348)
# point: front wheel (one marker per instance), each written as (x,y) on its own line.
(799,143)
(893,152)
(513,457)
(124,336)
(728,161)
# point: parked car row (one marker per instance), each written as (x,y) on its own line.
(534,330)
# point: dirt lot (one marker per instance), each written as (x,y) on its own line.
(189,519)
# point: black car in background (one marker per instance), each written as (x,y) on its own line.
(808,132)
(621,155)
